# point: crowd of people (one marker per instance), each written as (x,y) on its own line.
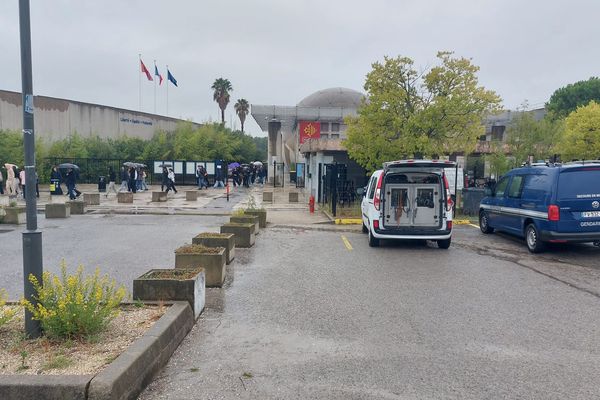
(133,179)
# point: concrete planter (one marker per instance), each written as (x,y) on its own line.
(293,197)
(58,210)
(262,216)
(213,264)
(91,199)
(158,197)
(124,197)
(191,195)
(185,284)
(244,233)
(247,219)
(77,207)
(15,215)
(268,197)
(225,240)
(4,200)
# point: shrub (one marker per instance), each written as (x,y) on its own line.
(6,313)
(73,305)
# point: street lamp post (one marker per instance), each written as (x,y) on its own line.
(32,237)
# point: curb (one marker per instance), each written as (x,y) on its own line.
(124,378)
(348,221)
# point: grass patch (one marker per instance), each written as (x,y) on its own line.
(198,249)
(57,361)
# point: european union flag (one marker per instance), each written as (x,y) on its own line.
(171,78)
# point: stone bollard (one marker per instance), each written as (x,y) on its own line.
(77,207)
(58,210)
(191,195)
(268,197)
(91,199)
(293,197)
(124,197)
(158,197)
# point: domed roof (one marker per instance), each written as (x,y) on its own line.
(333,97)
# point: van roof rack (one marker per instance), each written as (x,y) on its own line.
(541,164)
(583,162)
(410,162)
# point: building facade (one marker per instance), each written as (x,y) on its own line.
(56,118)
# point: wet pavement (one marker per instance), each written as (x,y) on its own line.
(315,314)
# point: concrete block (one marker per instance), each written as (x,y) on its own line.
(268,197)
(247,219)
(191,195)
(77,207)
(262,216)
(213,264)
(225,240)
(158,197)
(168,285)
(15,215)
(124,197)
(244,233)
(293,197)
(58,210)
(4,200)
(43,387)
(91,199)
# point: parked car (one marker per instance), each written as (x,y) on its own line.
(408,199)
(546,203)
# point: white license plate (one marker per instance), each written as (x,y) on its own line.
(590,214)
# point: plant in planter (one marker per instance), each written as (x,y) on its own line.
(246,219)
(244,233)
(6,313)
(212,259)
(252,209)
(213,239)
(185,284)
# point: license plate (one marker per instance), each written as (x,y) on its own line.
(590,214)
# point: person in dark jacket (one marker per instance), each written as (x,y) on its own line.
(133,179)
(165,183)
(112,177)
(71,181)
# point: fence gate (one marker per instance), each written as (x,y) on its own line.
(300,175)
(337,190)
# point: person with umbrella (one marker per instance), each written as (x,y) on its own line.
(57,179)
(133,179)
(124,180)
(171,182)
(71,181)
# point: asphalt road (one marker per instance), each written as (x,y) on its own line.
(310,314)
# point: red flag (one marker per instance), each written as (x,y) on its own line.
(145,70)
(309,130)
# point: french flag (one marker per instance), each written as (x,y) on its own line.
(156,73)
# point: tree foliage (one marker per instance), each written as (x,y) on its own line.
(242,108)
(581,139)
(221,88)
(527,136)
(439,111)
(567,99)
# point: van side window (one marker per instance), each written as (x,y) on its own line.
(372,187)
(516,186)
(501,187)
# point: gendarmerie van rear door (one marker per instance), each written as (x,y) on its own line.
(578,198)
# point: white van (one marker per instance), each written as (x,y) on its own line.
(409,199)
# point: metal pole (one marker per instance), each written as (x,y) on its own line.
(274,172)
(32,238)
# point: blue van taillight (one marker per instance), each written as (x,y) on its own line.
(553,213)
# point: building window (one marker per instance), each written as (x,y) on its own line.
(498,132)
(335,127)
(324,126)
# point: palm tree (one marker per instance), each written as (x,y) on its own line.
(221,88)
(242,107)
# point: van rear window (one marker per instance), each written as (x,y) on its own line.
(579,184)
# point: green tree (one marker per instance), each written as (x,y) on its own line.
(242,108)
(567,99)
(526,136)
(581,139)
(221,88)
(439,111)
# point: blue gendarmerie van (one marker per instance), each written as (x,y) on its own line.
(556,203)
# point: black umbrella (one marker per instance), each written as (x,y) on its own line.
(165,165)
(68,165)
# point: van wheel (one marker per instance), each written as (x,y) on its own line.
(373,241)
(364,228)
(484,223)
(532,237)
(444,244)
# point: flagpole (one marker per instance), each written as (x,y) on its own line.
(167,90)
(140,81)
(155,88)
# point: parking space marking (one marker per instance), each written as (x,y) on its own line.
(474,226)
(346,243)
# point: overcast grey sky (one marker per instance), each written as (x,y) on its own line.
(280,51)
